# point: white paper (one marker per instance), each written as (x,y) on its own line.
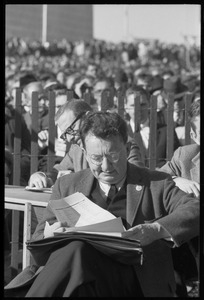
(77,210)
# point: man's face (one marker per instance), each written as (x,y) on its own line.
(195,133)
(65,120)
(59,101)
(91,71)
(131,104)
(113,155)
(27,94)
(97,91)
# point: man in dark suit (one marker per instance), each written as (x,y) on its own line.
(141,134)
(153,210)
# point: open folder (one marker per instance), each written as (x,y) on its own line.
(90,223)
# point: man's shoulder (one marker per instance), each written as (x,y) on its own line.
(189,150)
(190,147)
(75,175)
(144,176)
(75,149)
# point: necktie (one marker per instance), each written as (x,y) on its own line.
(111,194)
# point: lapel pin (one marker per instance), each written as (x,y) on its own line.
(138,188)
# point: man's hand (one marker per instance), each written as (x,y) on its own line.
(188,186)
(43,139)
(38,179)
(146,233)
(49,229)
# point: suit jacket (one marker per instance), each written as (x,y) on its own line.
(185,163)
(161,145)
(155,199)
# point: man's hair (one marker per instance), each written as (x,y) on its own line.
(78,106)
(103,78)
(137,89)
(194,111)
(104,125)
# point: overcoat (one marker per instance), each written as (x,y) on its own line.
(149,197)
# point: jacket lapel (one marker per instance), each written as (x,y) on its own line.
(85,184)
(195,171)
(136,181)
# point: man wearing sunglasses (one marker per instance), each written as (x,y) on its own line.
(68,118)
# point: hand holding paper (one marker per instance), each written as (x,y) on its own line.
(146,233)
(49,229)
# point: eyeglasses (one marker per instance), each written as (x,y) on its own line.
(70,129)
(98,159)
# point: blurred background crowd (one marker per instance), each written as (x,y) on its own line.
(94,66)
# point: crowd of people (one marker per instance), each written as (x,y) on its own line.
(94,68)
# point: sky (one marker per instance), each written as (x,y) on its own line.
(168,23)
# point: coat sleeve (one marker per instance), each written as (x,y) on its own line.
(182,212)
(173,167)
(134,153)
(66,163)
(48,213)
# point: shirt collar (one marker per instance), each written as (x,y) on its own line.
(145,124)
(106,187)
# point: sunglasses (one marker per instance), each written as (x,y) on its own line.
(70,129)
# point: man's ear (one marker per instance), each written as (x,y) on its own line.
(84,151)
(192,134)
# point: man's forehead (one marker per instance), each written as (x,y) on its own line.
(66,119)
(101,85)
(112,142)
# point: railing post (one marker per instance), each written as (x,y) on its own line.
(52,131)
(34,133)
(170,127)
(188,101)
(17,140)
(153,133)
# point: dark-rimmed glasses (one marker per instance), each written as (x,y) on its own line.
(70,129)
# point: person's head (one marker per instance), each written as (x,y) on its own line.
(194,118)
(68,119)
(102,84)
(61,76)
(27,93)
(91,70)
(144,102)
(104,137)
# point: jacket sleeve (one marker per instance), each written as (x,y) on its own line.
(48,213)
(134,153)
(66,163)
(182,212)
(173,167)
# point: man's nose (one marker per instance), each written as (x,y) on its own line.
(106,164)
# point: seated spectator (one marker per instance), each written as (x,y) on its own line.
(61,76)
(25,144)
(101,85)
(184,168)
(141,134)
(91,70)
(80,270)
(68,118)
(8,166)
